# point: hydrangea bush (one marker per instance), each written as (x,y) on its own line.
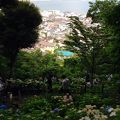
(53,108)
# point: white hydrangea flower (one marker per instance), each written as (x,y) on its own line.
(87,118)
(112,114)
(110,110)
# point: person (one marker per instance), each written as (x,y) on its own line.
(10,96)
(87,78)
(49,76)
(67,98)
(65,85)
(1,84)
(87,81)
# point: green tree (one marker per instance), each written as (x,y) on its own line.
(6,3)
(98,10)
(106,13)
(35,65)
(74,67)
(112,21)
(29,65)
(50,69)
(19,26)
(87,43)
(3,67)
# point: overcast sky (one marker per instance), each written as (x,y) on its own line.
(80,6)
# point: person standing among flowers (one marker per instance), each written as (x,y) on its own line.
(67,98)
(65,85)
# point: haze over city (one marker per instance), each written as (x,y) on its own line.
(63,5)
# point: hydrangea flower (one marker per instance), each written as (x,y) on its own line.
(55,110)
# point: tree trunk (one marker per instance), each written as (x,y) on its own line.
(102,89)
(13,57)
(93,67)
(19,95)
(49,84)
(85,87)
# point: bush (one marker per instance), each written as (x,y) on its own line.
(117,117)
(88,99)
(74,114)
(107,101)
(36,103)
(53,108)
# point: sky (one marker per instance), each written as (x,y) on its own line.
(79,6)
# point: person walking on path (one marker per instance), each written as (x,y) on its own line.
(65,88)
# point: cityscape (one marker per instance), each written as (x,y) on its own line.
(54,28)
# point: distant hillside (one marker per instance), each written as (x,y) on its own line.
(54,28)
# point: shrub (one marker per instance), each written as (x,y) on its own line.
(36,103)
(88,99)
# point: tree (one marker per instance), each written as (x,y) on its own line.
(50,69)
(29,65)
(6,3)
(3,68)
(106,13)
(19,26)
(112,21)
(74,67)
(99,9)
(87,43)
(34,65)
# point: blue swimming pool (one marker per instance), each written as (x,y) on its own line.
(65,53)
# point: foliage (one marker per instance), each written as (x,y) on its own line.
(106,13)
(117,117)
(29,65)
(76,85)
(87,43)
(75,67)
(88,98)
(3,67)
(28,85)
(34,65)
(99,9)
(23,33)
(42,108)
(6,3)
(36,103)
(97,49)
